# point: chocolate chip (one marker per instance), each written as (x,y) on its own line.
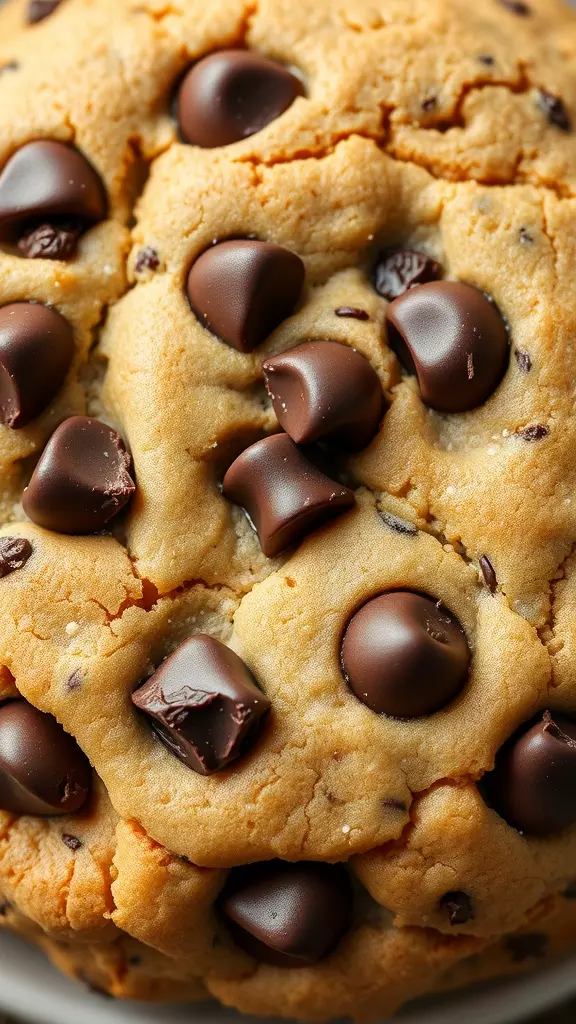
(524,361)
(554,109)
(147,259)
(284,495)
(453,338)
(458,906)
(72,842)
(353,312)
(82,479)
(36,350)
(517,7)
(204,704)
(534,432)
(325,391)
(289,915)
(42,769)
(242,290)
(395,805)
(232,94)
(14,553)
(525,237)
(488,573)
(398,270)
(397,524)
(486,59)
(533,785)
(429,104)
(40,9)
(48,185)
(405,655)
(526,946)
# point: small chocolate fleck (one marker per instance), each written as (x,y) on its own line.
(14,553)
(394,804)
(50,242)
(40,9)
(517,7)
(458,906)
(397,270)
(147,259)
(74,680)
(353,312)
(535,432)
(525,237)
(486,59)
(531,945)
(429,104)
(397,524)
(10,65)
(488,573)
(524,361)
(134,960)
(554,109)
(570,892)
(72,842)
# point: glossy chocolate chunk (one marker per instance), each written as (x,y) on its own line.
(533,785)
(14,553)
(458,906)
(242,290)
(284,495)
(48,185)
(36,350)
(453,338)
(405,655)
(289,915)
(397,270)
(42,769)
(324,391)
(232,94)
(204,704)
(82,479)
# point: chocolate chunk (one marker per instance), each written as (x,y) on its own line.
(325,391)
(232,94)
(284,495)
(526,946)
(82,479)
(453,338)
(458,906)
(398,270)
(534,432)
(14,553)
(48,185)
(353,312)
(40,9)
(517,7)
(36,350)
(533,785)
(524,361)
(42,769)
(147,259)
(488,573)
(289,915)
(204,704)
(405,655)
(554,109)
(72,842)
(242,290)
(397,524)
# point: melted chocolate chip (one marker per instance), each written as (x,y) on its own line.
(325,391)
(289,915)
(42,769)
(48,194)
(36,350)
(458,906)
(405,655)
(72,842)
(526,946)
(204,704)
(14,553)
(82,479)
(524,361)
(232,94)
(517,7)
(488,573)
(398,525)
(554,109)
(353,312)
(453,338)
(242,290)
(533,785)
(398,270)
(147,259)
(284,495)
(40,9)
(534,432)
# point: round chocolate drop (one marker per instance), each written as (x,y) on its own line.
(232,94)
(289,915)
(405,655)
(42,769)
(36,350)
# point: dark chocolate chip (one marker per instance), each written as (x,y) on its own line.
(517,7)
(524,361)
(533,785)
(204,704)
(397,524)
(284,495)
(48,185)
(242,290)
(42,769)
(82,479)
(398,270)
(458,906)
(526,946)
(39,9)
(429,104)
(325,391)
(486,59)
(488,573)
(36,350)
(534,432)
(353,312)
(554,109)
(289,915)
(72,842)
(570,892)
(453,338)
(232,94)
(147,259)
(405,655)
(14,553)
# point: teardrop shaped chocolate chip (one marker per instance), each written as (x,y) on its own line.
(36,350)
